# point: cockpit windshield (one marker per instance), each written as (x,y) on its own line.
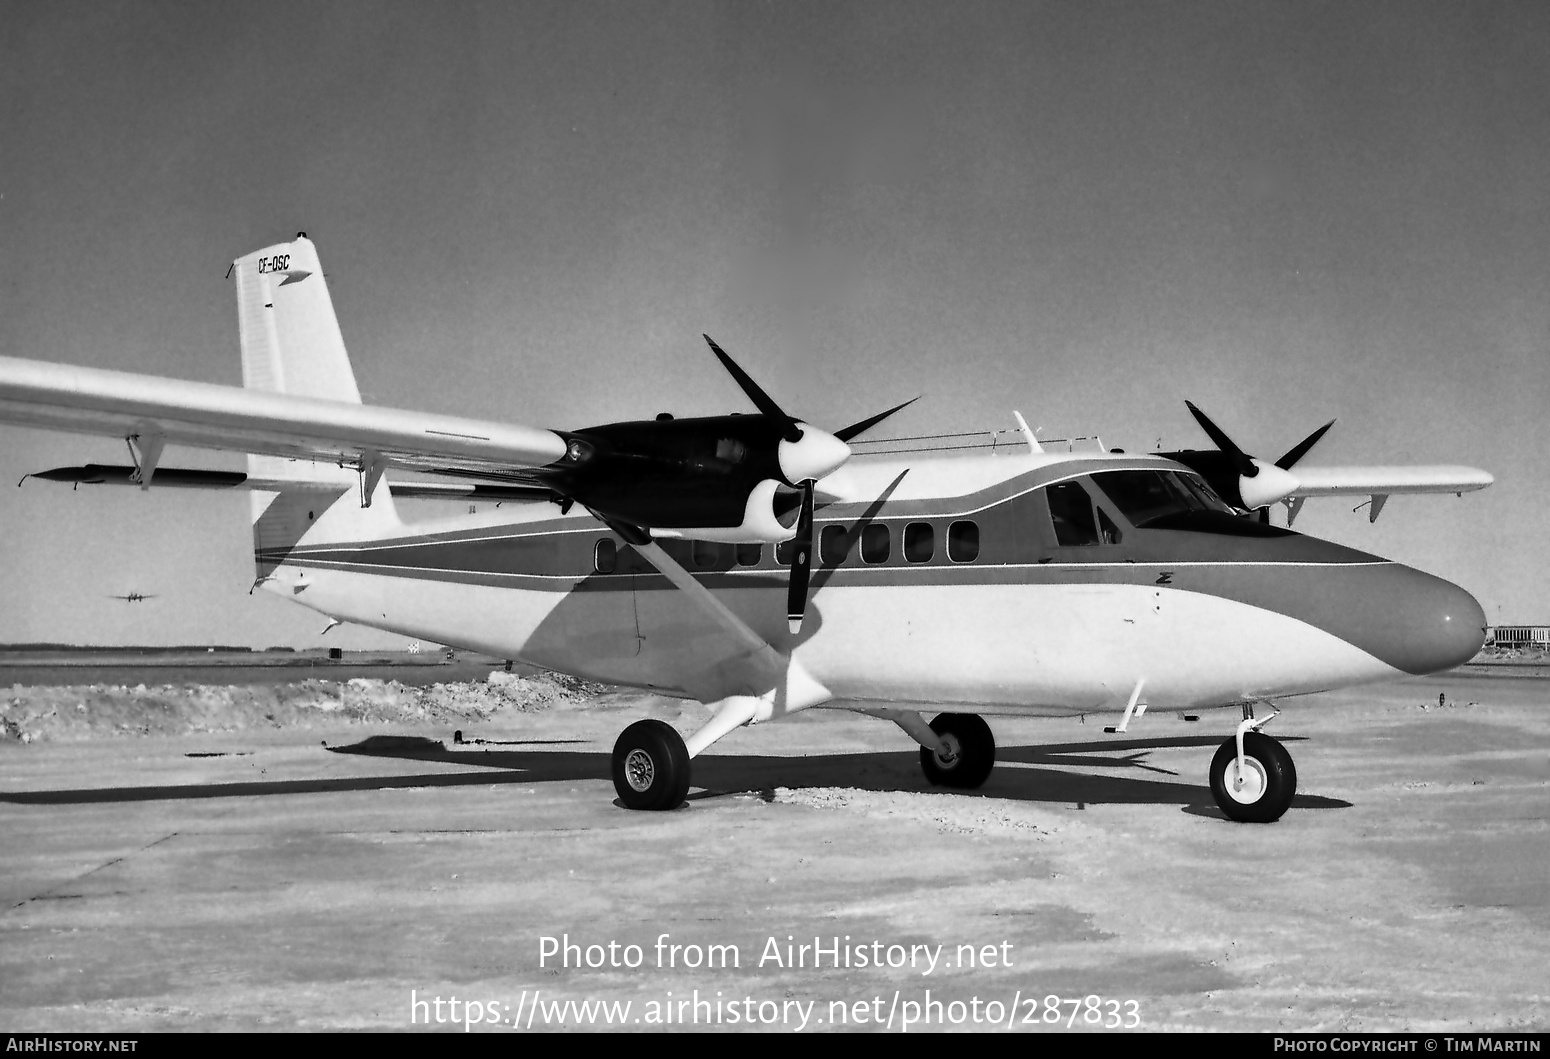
(1147,498)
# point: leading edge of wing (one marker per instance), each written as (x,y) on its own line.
(208,415)
(1363,481)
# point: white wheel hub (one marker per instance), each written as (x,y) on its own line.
(1248,784)
(639,770)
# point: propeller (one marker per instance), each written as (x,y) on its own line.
(1298,451)
(1242,461)
(801,564)
(805,454)
(1257,484)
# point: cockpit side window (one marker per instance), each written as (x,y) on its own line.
(1201,488)
(1147,497)
(1071,510)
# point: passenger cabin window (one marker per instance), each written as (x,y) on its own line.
(749,554)
(874,543)
(919,542)
(605,557)
(786,552)
(834,545)
(1071,510)
(963,541)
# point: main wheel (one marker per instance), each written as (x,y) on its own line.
(970,755)
(1263,790)
(651,766)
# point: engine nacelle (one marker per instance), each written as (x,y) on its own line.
(769,517)
(1268,485)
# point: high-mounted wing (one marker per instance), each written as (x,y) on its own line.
(736,478)
(299,399)
(1380,483)
(160,411)
(1253,484)
(1358,481)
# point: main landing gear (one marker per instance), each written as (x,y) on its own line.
(651,766)
(651,761)
(956,750)
(965,755)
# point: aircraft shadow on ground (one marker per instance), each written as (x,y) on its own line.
(1033,773)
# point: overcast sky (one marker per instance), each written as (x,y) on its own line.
(1285,212)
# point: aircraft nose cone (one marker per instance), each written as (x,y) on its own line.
(1444,625)
(1407,619)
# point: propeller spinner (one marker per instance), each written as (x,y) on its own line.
(1240,478)
(805,454)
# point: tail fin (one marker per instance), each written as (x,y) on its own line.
(291,344)
(290,336)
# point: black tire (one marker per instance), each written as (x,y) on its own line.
(976,752)
(651,766)
(1271,781)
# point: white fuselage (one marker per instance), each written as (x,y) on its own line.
(1026,626)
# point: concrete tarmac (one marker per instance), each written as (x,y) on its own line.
(260,880)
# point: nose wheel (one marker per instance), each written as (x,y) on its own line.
(651,766)
(1259,790)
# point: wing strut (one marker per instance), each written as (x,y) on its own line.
(755,681)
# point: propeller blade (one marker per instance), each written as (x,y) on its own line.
(1244,463)
(761,400)
(851,431)
(1295,454)
(801,563)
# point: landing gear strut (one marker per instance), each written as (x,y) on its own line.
(968,753)
(1260,790)
(651,766)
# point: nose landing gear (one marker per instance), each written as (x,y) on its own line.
(1259,788)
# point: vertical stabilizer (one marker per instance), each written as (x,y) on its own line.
(290,336)
(291,344)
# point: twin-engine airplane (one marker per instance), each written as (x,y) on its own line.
(1040,582)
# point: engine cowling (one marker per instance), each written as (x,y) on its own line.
(769,517)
